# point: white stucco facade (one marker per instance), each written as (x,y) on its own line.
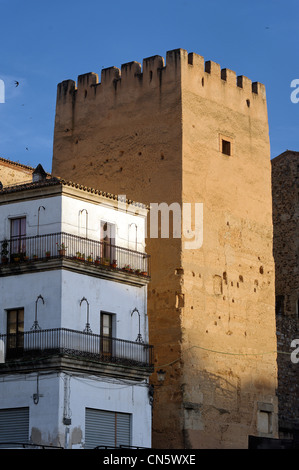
(62,292)
(55,388)
(64,213)
(51,397)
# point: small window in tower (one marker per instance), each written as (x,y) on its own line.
(226,147)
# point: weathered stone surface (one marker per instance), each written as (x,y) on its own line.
(12,172)
(285,190)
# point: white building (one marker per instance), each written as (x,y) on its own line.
(73,324)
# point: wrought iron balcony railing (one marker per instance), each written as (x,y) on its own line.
(61,341)
(57,245)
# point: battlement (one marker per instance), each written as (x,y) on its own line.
(155,73)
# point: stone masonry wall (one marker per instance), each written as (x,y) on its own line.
(11,172)
(285,190)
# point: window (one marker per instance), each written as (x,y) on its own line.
(107,428)
(18,234)
(226,145)
(108,241)
(14,426)
(106,333)
(15,330)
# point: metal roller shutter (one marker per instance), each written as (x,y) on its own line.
(123,431)
(106,428)
(14,425)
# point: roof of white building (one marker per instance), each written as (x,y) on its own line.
(17,164)
(41,179)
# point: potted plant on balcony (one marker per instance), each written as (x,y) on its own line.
(89,258)
(16,257)
(97,261)
(127,268)
(61,249)
(48,254)
(113,264)
(105,262)
(4,251)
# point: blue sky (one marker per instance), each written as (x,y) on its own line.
(43,43)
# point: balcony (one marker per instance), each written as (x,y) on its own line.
(22,253)
(36,345)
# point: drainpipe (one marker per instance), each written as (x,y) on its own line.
(67,420)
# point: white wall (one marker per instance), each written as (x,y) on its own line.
(62,292)
(41,221)
(63,214)
(17,391)
(75,222)
(103,295)
(46,417)
(22,291)
(106,395)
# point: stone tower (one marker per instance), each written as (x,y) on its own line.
(187,132)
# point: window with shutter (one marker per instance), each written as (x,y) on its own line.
(14,426)
(107,429)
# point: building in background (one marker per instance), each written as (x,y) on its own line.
(75,358)
(285,192)
(14,172)
(181,133)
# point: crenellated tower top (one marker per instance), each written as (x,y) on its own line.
(180,67)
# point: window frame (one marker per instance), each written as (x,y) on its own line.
(18,240)
(107,238)
(229,140)
(113,436)
(106,346)
(18,340)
